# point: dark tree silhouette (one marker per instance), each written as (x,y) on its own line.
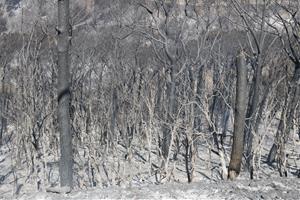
(63,45)
(239,118)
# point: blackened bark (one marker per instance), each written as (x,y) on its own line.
(239,118)
(187,158)
(251,114)
(3,119)
(113,115)
(3,104)
(159,95)
(64,95)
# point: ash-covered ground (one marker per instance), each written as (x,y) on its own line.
(279,188)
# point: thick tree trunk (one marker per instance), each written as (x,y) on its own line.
(239,118)
(66,159)
(251,116)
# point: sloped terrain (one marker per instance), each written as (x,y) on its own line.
(240,189)
(118,153)
(143,186)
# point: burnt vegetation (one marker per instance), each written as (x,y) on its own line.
(148,91)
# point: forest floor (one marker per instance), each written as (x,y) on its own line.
(280,188)
(137,180)
(269,186)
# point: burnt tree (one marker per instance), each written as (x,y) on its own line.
(239,118)
(64,94)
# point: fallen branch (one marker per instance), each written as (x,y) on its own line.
(59,190)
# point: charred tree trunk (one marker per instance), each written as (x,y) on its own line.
(64,95)
(285,124)
(159,95)
(3,104)
(293,100)
(251,116)
(3,119)
(273,152)
(113,115)
(239,118)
